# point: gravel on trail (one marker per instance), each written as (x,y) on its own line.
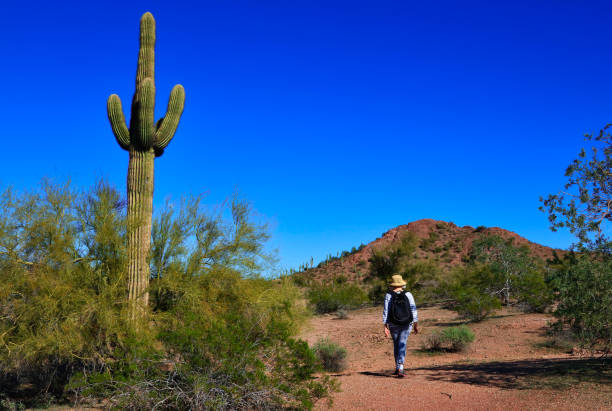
(499,371)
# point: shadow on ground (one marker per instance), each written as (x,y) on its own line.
(545,373)
(377,374)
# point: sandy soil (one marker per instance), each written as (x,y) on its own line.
(503,369)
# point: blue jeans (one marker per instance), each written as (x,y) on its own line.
(400,334)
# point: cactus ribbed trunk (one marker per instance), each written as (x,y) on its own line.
(144,140)
(139,215)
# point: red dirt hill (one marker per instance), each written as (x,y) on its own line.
(441,242)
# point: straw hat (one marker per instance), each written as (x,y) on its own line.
(397,281)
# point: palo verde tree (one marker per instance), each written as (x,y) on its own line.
(585,205)
(511,262)
(584,281)
(144,140)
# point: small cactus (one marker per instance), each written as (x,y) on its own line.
(145,139)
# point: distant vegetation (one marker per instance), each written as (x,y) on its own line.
(339,256)
(494,272)
(336,295)
(498,272)
(422,277)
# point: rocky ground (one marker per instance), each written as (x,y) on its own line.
(505,368)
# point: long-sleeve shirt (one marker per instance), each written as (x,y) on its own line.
(415,317)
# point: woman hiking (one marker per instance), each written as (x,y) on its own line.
(399,318)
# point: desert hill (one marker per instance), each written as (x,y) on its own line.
(441,242)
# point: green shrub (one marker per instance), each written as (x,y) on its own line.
(376,293)
(559,339)
(340,279)
(458,338)
(518,275)
(390,260)
(341,314)
(422,280)
(434,342)
(452,339)
(328,298)
(532,292)
(10,405)
(427,243)
(218,336)
(584,293)
(331,355)
(473,291)
(474,305)
(301,279)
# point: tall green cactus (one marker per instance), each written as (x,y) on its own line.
(144,140)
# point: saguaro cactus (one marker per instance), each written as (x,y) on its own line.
(144,140)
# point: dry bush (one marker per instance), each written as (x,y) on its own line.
(331,355)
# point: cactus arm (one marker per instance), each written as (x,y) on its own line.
(146,54)
(117,121)
(168,126)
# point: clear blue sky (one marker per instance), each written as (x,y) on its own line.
(337,120)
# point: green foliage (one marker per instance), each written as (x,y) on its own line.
(473,290)
(422,277)
(384,264)
(584,283)
(532,291)
(327,298)
(301,279)
(331,355)
(339,256)
(458,338)
(475,306)
(218,335)
(583,206)
(452,339)
(376,293)
(427,243)
(518,274)
(434,342)
(10,405)
(441,225)
(390,260)
(584,291)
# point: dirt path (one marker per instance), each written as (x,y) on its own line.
(503,369)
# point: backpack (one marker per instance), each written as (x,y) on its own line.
(400,312)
